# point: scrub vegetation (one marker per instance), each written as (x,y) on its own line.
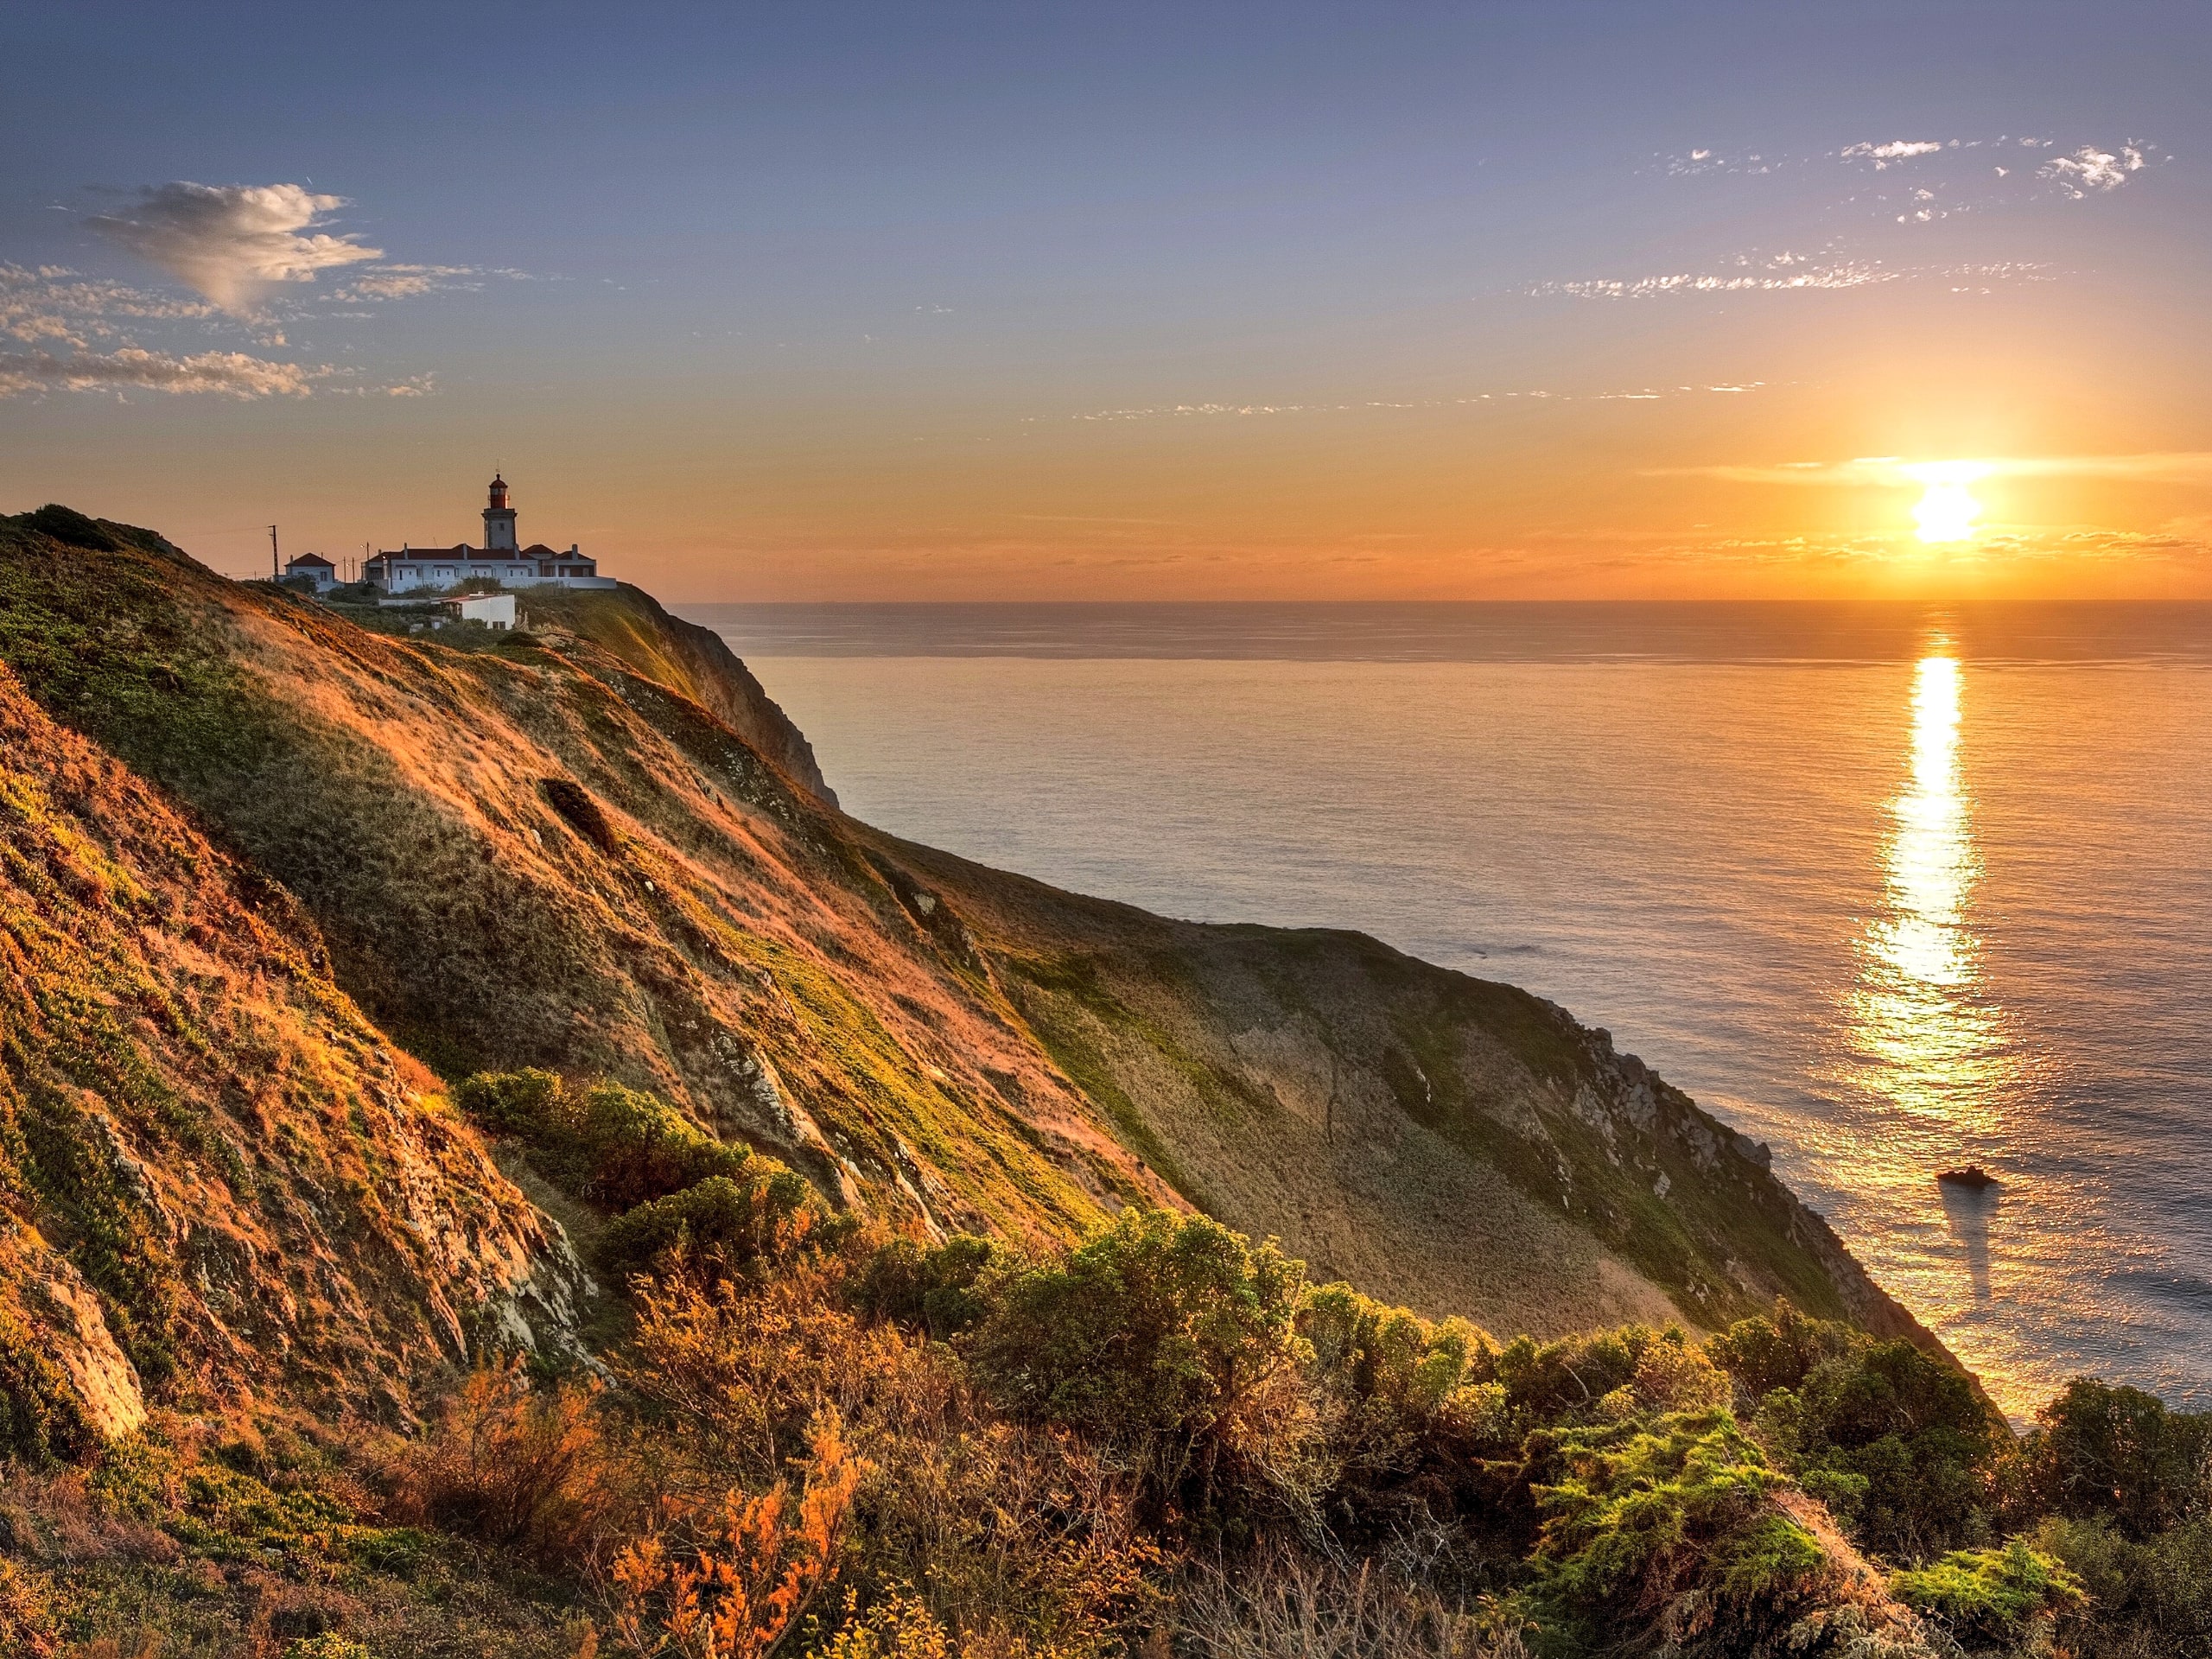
(492,1163)
(815,1439)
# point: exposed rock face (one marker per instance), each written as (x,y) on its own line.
(62,1320)
(217,1174)
(944,1043)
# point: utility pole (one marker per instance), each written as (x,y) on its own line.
(275,569)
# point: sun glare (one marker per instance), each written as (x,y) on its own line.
(1948,512)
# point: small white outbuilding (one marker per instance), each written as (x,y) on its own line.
(492,610)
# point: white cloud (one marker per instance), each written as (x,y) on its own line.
(1699,162)
(231,374)
(1957,168)
(2090,168)
(398,282)
(234,242)
(1849,274)
(420,385)
(1898,149)
(1785,273)
(388,284)
(53,302)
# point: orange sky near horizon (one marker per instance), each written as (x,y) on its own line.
(1602,304)
(1538,499)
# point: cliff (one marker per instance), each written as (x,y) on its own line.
(1451,1143)
(602,849)
(695,661)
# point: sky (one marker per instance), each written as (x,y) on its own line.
(962,301)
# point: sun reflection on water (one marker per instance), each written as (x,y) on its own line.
(1931,1055)
(1925,1041)
(1931,865)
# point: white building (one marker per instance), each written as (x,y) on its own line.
(315,568)
(492,610)
(500,558)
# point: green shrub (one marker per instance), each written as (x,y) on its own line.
(635,1147)
(717,1225)
(1895,1441)
(530,1104)
(1989,1595)
(1604,1376)
(1912,1428)
(1388,1357)
(617,1147)
(1656,1531)
(2100,1450)
(1410,1409)
(327,1645)
(2148,1596)
(68,526)
(1778,1351)
(900,1626)
(934,1289)
(1169,1338)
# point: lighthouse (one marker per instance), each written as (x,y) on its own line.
(498,519)
(503,558)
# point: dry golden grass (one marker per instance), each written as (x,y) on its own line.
(209,1155)
(530,1470)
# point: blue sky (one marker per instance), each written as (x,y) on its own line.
(831,301)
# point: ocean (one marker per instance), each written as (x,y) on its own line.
(1890,888)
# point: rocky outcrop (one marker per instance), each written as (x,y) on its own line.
(54,1321)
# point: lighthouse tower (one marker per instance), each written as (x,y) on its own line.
(498,520)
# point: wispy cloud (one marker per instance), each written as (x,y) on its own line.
(1858,273)
(1892,472)
(1785,274)
(398,281)
(239,247)
(53,302)
(1930,179)
(51,308)
(2089,169)
(1186,411)
(234,242)
(1888,155)
(230,373)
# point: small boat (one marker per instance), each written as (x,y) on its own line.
(1971,1175)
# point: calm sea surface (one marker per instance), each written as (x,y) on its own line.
(1890,888)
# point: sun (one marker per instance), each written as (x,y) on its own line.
(1948,512)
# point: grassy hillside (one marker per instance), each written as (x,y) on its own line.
(694,661)
(534,852)
(215,1175)
(290,1366)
